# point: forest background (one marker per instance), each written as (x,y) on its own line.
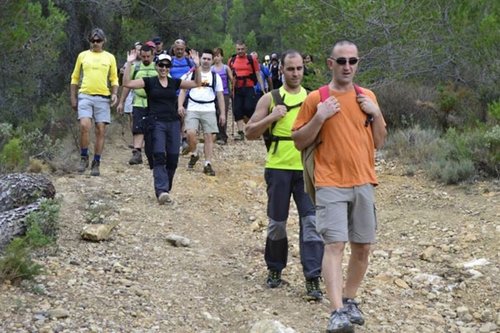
(434,65)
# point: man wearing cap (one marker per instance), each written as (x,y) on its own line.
(158,46)
(94,97)
(164,127)
(145,68)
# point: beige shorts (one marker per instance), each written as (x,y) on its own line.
(346,214)
(207,119)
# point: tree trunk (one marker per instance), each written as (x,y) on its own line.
(20,195)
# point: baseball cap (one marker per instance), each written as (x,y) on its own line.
(266,57)
(150,44)
(137,43)
(156,40)
(163,57)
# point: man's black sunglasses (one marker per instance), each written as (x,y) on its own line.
(163,65)
(343,61)
(96,40)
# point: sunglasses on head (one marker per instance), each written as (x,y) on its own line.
(164,65)
(343,61)
(96,40)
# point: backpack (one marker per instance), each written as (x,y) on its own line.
(213,88)
(252,76)
(307,154)
(268,136)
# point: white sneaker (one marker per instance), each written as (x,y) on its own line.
(164,198)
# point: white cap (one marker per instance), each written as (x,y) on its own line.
(266,57)
(162,57)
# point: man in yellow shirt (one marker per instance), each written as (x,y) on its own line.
(94,69)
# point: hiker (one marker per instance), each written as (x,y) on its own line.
(274,69)
(226,75)
(128,102)
(181,64)
(283,175)
(349,126)
(95,96)
(201,111)
(158,48)
(266,78)
(145,68)
(245,76)
(163,122)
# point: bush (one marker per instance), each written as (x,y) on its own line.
(12,157)
(42,228)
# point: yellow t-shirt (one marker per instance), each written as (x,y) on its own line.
(346,155)
(97,68)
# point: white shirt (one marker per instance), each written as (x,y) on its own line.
(204,93)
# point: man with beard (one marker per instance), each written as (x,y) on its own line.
(284,178)
(145,68)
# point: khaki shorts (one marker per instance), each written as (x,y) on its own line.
(346,214)
(96,107)
(207,119)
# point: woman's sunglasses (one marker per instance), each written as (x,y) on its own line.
(343,61)
(164,65)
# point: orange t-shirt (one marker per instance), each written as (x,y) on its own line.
(346,155)
(243,68)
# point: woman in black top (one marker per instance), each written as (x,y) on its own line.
(164,121)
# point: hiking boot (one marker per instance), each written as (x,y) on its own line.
(164,198)
(339,322)
(273,279)
(185,147)
(353,312)
(84,163)
(136,157)
(207,170)
(240,136)
(221,142)
(192,161)
(94,169)
(313,290)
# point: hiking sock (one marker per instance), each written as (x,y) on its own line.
(97,158)
(84,152)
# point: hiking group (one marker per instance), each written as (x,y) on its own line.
(320,145)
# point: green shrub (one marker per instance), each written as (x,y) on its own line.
(12,157)
(413,145)
(42,227)
(451,171)
(494,110)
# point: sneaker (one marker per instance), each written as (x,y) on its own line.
(84,163)
(240,136)
(313,290)
(207,170)
(353,312)
(192,161)
(184,147)
(273,279)
(164,198)
(136,157)
(221,142)
(94,169)
(339,322)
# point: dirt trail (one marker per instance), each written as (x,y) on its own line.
(137,282)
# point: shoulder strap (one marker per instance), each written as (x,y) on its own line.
(137,67)
(275,94)
(214,81)
(250,60)
(324,92)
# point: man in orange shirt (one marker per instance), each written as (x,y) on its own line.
(344,178)
(246,74)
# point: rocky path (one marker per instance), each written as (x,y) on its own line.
(434,269)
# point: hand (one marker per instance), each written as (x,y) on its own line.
(279,111)
(193,54)
(222,120)
(181,111)
(74,104)
(119,108)
(114,99)
(367,105)
(132,56)
(328,108)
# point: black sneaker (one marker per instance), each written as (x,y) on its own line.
(240,136)
(94,168)
(313,290)
(136,157)
(353,312)
(339,322)
(84,164)
(192,161)
(274,279)
(207,170)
